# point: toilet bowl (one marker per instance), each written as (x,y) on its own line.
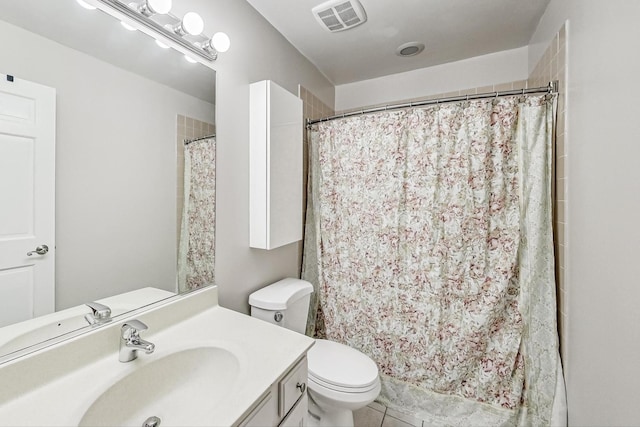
(341,379)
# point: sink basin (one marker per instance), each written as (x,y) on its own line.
(175,388)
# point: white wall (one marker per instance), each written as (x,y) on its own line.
(602,368)
(258,52)
(115,168)
(486,70)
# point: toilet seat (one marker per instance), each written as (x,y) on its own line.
(340,368)
(333,387)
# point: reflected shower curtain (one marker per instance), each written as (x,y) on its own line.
(196,251)
(429,243)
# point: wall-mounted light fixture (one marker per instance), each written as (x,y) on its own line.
(218,43)
(152,7)
(156,17)
(191,23)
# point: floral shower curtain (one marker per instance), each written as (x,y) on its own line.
(429,241)
(196,251)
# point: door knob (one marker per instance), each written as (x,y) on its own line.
(40,250)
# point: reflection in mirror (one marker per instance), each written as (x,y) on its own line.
(123,108)
(196,245)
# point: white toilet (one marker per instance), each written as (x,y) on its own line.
(341,379)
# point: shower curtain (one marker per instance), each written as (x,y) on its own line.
(429,242)
(196,251)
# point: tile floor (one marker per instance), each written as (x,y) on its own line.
(378,415)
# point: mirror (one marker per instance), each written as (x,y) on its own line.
(123,108)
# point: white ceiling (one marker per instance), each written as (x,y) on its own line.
(451,30)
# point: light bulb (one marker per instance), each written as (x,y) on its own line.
(86,5)
(162,45)
(161,7)
(190,59)
(193,24)
(127,26)
(221,42)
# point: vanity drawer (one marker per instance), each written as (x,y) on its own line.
(292,386)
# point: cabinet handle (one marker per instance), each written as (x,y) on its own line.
(302,387)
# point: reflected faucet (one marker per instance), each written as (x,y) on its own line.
(130,341)
(100,314)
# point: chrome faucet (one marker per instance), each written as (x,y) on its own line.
(130,341)
(100,314)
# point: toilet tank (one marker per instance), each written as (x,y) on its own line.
(284,303)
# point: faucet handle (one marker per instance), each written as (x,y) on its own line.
(98,310)
(134,324)
(99,315)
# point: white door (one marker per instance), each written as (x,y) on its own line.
(27,199)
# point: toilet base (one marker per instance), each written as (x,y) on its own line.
(333,417)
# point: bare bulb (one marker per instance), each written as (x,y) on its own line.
(161,7)
(193,24)
(220,42)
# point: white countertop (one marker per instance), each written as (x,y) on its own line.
(55,386)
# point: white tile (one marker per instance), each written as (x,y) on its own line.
(390,421)
(378,406)
(367,417)
(405,418)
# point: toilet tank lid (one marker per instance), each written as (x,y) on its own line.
(280,295)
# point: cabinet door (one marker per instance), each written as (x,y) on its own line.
(265,414)
(293,386)
(298,415)
(275,166)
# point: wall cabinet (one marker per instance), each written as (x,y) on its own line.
(285,404)
(275,169)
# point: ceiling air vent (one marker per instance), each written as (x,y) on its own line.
(340,15)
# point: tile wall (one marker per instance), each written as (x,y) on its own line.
(553,66)
(187,128)
(313,109)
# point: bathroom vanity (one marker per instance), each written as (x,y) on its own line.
(285,403)
(210,367)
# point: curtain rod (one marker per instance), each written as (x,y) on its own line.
(550,89)
(189,141)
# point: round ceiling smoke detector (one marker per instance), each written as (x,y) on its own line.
(410,49)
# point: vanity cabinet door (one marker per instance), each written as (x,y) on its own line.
(265,414)
(298,415)
(293,386)
(285,404)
